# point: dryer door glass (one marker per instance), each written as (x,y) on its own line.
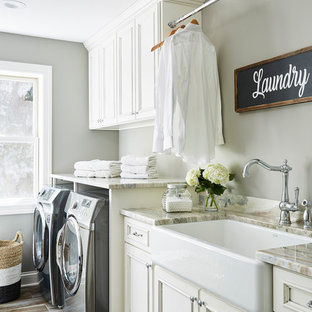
(40,238)
(72,256)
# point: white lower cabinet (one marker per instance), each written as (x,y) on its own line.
(138,283)
(292,292)
(210,303)
(172,293)
(150,288)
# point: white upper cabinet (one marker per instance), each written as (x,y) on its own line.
(108,81)
(94,89)
(122,68)
(102,85)
(125,68)
(146,37)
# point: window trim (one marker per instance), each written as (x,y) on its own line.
(44,75)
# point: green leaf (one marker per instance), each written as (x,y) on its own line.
(232,176)
(199,188)
(218,189)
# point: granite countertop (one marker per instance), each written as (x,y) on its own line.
(157,216)
(117,183)
(295,258)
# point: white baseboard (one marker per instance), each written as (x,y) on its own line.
(29,278)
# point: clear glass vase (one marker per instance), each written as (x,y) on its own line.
(210,203)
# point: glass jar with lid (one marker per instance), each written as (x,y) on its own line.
(177,198)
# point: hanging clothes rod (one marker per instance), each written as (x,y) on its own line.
(173,24)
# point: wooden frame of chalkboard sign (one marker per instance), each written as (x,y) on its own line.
(278,81)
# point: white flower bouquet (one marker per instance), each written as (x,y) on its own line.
(211,180)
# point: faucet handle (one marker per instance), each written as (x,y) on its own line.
(307,215)
(306,203)
(297,196)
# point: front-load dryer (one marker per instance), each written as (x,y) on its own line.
(49,217)
(83,253)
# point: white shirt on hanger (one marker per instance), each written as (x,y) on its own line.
(164,104)
(188,103)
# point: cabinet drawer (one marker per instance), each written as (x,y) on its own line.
(138,234)
(292,291)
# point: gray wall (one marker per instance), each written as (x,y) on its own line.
(243,32)
(72,140)
(139,142)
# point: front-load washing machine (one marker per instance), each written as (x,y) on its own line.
(49,217)
(83,253)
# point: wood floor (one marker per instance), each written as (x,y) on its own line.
(29,301)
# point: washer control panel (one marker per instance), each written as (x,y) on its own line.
(48,194)
(82,208)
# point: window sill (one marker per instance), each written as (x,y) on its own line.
(17,207)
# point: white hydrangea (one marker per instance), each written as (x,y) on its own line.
(192,177)
(216,173)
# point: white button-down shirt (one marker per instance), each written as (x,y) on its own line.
(188,113)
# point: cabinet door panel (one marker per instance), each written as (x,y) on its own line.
(94,88)
(125,48)
(291,292)
(211,303)
(173,293)
(138,286)
(146,37)
(108,95)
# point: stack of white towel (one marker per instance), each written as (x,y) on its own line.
(133,167)
(97,169)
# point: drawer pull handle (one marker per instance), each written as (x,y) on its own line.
(137,234)
(309,304)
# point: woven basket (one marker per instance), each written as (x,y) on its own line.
(10,268)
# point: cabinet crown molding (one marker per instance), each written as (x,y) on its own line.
(127,15)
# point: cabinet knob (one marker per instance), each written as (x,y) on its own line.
(200,303)
(148,265)
(193,299)
(309,304)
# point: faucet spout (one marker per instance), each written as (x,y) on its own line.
(285,206)
(262,164)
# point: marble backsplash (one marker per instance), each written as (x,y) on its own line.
(230,201)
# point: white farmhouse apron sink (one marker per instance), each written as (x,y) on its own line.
(219,256)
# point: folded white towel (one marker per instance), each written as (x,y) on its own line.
(127,175)
(97,164)
(139,161)
(96,174)
(139,169)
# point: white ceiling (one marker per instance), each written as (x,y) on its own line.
(72,20)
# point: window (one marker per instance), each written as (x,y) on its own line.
(25,134)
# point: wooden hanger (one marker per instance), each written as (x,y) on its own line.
(160,44)
(194,21)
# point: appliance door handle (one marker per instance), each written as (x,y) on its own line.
(59,249)
(73,290)
(39,266)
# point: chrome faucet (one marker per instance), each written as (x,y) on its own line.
(307,215)
(285,206)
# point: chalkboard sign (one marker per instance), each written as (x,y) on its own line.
(282,80)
